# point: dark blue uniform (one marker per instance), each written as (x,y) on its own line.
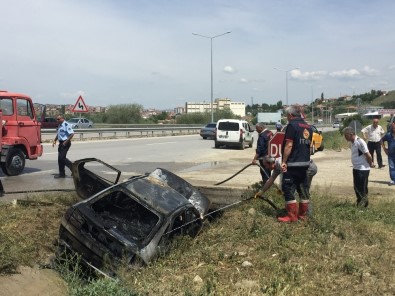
(295,178)
(261,150)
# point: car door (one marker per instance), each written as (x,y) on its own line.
(27,128)
(317,137)
(92,175)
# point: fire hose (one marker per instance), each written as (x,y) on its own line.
(261,196)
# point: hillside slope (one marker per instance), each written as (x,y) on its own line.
(389,97)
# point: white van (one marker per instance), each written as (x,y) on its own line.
(233,133)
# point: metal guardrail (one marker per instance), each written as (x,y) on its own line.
(132,132)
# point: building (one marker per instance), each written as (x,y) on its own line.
(238,108)
(269,117)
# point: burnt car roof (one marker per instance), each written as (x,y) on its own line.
(162,190)
(156,194)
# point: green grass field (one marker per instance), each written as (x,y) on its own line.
(341,250)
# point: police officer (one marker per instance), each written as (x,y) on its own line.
(64,135)
(294,164)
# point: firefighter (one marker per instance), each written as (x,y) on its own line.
(294,164)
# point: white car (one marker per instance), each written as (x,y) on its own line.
(80,123)
(233,133)
(336,125)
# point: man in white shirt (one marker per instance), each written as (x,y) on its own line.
(361,163)
(373,134)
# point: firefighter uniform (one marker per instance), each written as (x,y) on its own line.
(295,177)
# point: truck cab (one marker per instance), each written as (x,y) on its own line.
(21,132)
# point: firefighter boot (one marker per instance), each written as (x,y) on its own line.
(292,213)
(303,209)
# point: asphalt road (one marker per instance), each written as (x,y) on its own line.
(179,154)
(131,156)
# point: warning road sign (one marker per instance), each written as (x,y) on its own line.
(80,106)
(275,144)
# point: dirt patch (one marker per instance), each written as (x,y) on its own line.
(33,282)
(334,176)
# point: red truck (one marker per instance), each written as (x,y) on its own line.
(21,132)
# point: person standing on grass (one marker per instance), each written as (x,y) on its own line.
(294,164)
(373,134)
(64,135)
(361,162)
(390,151)
(264,136)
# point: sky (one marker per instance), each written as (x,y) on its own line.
(144,52)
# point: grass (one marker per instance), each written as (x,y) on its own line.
(333,140)
(341,250)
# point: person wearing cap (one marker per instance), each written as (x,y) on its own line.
(275,166)
(361,162)
(294,164)
(373,134)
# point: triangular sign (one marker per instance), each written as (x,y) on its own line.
(80,106)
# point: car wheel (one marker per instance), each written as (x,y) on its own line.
(216,145)
(312,149)
(321,147)
(14,163)
(250,144)
(204,138)
(242,145)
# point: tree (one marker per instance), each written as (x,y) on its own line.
(124,113)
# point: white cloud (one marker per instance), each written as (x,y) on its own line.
(369,71)
(315,75)
(229,69)
(243,80)
(391,67)
(351,73)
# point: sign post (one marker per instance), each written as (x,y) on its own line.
(275,145)
(80,106)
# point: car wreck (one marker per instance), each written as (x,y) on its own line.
(132,221)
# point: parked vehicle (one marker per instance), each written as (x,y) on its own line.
(317,141)
(336,124)
(208,131)
(233,133)
(132,221)
(49,122)
(80,123)
(21,132)
(46,121)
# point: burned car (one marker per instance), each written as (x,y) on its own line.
(131,221)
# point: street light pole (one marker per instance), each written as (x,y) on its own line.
(286,81)
(211,50)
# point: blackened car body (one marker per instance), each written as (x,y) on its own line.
(131,221)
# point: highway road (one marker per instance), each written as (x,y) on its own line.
(131,156)
(179,154)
